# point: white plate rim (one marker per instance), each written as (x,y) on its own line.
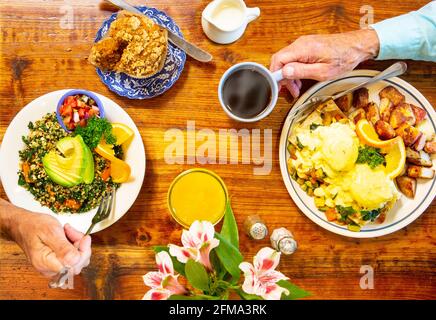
(140,164)
(340,230)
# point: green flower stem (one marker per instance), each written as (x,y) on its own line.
(226,284)
(206,296)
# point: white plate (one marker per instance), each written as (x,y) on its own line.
(9,162)
(405,210)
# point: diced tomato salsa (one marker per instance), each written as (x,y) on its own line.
(76,110)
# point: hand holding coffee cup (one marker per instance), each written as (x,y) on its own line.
(248,91)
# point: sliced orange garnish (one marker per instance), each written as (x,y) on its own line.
(122,132)
(105,150)
(366,133)
(120,171)
(395,158)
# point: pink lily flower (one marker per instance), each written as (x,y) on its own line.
(261,277)
(197,244)
(163,283)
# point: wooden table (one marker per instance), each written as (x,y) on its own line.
(38,56)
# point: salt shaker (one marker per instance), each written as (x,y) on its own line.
(282,240)
(255,228)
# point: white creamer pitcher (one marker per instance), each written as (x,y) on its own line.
(224,21)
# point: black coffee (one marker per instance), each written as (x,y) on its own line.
(246,93)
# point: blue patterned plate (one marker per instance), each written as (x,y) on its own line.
(134,88)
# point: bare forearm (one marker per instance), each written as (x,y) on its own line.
(4,217)
(8,218)
(366,42)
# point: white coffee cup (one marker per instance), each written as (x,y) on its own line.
(273,79)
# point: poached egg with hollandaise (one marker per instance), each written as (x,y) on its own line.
(334,149)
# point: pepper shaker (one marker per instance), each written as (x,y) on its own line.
(282,240)
(255,227)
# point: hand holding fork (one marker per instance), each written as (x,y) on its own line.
(105,208)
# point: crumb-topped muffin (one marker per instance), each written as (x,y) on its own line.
(134,44)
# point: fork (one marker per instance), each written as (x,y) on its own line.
(103,212)
(305,109)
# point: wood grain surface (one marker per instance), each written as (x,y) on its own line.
(38,56)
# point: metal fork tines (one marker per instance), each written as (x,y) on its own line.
(104,210)
(308,105)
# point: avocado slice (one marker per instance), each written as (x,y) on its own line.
(88,174)
(61,178)
(69,168)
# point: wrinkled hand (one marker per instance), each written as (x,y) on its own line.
(323,57)
(48,245)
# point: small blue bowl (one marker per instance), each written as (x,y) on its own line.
(90,94)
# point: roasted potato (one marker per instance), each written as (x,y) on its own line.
(419,113)
(382,217)
(386,107)
(327,119)
(402,113)
(420,172)
(384,130)
(411,154)
(395,96)
(360,98)
(329,111)
(292,151)
(372,114)
(420,143)
(420,158)
(430,147)
(344,103)
(408,133)
(407,185)
(356,115)
(431,136)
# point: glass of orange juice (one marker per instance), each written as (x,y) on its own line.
(197,194)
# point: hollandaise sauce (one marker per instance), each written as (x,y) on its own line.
(325,165)
(197,194)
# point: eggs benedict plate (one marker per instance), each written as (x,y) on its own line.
(345,173)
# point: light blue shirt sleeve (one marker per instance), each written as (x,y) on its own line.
(409,36)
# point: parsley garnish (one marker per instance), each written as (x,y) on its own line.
(119,153)
(25,139)
(370,214)
(299,144)
(95,130)
(21,180)
(345,212)
(313,126)
(27,154)
(371,156)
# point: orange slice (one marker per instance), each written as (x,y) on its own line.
(122,132)
(366,133)
(105,150)
(395,158)
(120,171)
